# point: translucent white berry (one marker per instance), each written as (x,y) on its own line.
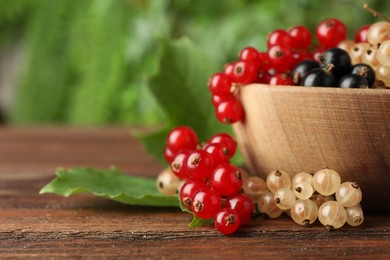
(326,181)
(284,198)
(355,215)
(168,183)
(303,190)
(304,212)
(349,194)
(332,214)
(278,179)
(254,187)
(266,205)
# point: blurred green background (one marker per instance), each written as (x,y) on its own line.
(87,62)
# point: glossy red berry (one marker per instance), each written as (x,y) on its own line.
(250,54)
(245,72)
(280,79)
(216,100)
(228,143)
(226,180)
(280,57)
(330,32)
(168,155)
(230,111)
(279,37)
(217,152)
(206,203)
(301,37)
(187,191)
(228,69)
(200,164)
(361,34)
(227,221)
(180,138)
(220,84)
(243,205)
(178,166)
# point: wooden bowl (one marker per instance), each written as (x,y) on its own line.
(305,129)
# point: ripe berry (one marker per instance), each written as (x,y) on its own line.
(361,34)
(216,100)
(206,203)
(353,81)
(280,79)
(301,37)
(168,155)
(226,180)
(217,152)
(243,205)
(228,143)
(279,37)
(230,111)
(181,137)
(319,78)
(340,60)
(200,164)
(227,221)
(228,69)
(302,69)
(220,84)
(280,57)
(187,191)
(250,54)
(178,164)
(330,32)
(364,70)
(245,72)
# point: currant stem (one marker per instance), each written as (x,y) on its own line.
(375,13)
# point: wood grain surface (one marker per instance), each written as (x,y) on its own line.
(47,226)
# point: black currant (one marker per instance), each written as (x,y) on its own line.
(353,81)
(366,71)
(302,69)
(340,60)
(320,78)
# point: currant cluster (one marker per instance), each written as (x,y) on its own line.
(333,69)
(208,185)
(307,197)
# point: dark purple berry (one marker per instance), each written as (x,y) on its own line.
(353,81)
(339,58)
(366,71)
(302,69)
(319,78)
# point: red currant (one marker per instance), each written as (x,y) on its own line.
(178,164)
(200,164)
(227,221)
(243,205)
(217,152)
(230,111)
(187,191)
(280,79)
(280,57)
(226,180)
(301,37)
(331,32)
(361,34)
(181,137)
(206,203)
(220,84)
(279,37)
(245,72)
(228,69)
(250,54)
(216,100)
(168,155)
(228,143)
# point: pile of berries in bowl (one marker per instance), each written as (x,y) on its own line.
(302,107)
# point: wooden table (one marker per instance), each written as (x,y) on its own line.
(83,226)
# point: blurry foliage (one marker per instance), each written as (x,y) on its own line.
(89,61)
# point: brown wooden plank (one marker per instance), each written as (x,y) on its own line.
(84,226)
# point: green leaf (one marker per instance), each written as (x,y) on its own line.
(180,88)
(111,184)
